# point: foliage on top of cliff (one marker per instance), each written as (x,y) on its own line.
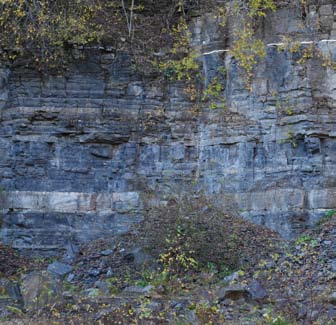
(44,30)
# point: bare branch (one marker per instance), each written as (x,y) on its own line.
(129,17)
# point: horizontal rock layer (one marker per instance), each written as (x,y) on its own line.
(81,154)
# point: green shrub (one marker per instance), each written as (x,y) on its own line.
(260,7)
(248,50)
(192,234)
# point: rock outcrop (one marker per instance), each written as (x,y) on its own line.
(81,153)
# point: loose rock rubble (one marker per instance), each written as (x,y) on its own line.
(295,285)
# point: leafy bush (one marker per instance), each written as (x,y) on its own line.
(328,215)
(189,234)
(248,50)
(259,7)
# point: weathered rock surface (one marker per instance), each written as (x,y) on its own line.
(10,296)
(138,289)
(257,291)
(80,152)
(59,269)
(235,292)
(41,290)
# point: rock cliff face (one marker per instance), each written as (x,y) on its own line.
(82,153)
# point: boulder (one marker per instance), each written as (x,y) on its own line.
(59,269)
(71,253)
(103,286)
(332,298)
(106,252)
(333,266)
(257,291)
(232,277)
(235,292)
(94,272)
(139,258)
(139,289)
(10,289)
(253,292)
(154,306)
(10,297)
(40,289)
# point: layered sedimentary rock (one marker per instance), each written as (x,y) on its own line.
(82,153)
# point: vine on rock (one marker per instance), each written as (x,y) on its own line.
(260,7)
(247,50)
